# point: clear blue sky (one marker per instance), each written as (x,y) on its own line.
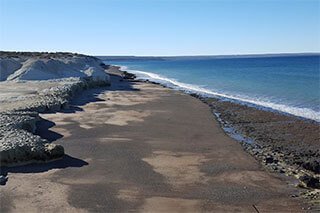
(160,27)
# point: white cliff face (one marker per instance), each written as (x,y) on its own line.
(34,68)
(33,84)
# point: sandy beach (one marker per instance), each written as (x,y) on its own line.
(142,147)
(179,106)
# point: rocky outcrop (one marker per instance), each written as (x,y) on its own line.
(74,73)
(18,144)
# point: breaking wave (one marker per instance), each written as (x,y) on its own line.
(190,88)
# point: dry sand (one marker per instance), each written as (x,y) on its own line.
(142,147)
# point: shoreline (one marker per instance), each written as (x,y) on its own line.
(276,141)
(140,143)
(277,155)
(311,116)
(141,147)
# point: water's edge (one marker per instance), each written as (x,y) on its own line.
(270,158)
(302,113)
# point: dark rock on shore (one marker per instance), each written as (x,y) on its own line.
(3,179)
(105,66)
(309,181)
(312,166)
(128,76)
(270,159)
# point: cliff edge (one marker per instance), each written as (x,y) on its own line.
(32,83)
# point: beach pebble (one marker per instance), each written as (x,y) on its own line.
(269,159)
(3,179)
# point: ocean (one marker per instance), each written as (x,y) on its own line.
(288,84)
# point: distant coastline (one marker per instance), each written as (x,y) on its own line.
(124,58)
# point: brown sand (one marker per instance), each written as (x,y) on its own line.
(147,149)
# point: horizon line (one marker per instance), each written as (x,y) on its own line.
(215,55)
(163,56)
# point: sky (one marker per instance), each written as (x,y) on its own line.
(161,27)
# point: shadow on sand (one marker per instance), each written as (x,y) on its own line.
(43,129)
(92,94)
(65,162)
(85,97)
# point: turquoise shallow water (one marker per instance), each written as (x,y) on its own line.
(288,84)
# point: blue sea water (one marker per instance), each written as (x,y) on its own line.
(289,84)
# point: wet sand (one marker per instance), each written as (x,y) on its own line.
(141,147)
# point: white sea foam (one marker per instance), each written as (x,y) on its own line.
(123,67)
(190,88)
